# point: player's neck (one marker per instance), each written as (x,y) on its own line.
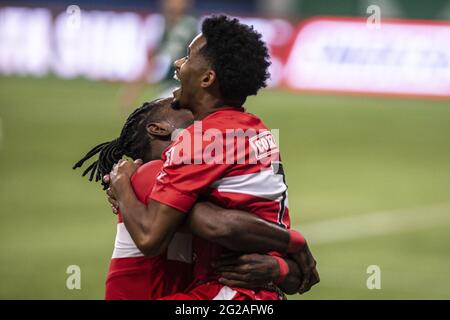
(155,150)
(206,105)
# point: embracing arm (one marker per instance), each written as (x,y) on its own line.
(292,281)
(257,270)
(241,231)
(151,227)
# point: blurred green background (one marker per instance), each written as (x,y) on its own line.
(369,184)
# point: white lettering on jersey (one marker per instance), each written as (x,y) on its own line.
(263,145)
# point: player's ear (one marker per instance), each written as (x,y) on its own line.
(208,78)
(160,129)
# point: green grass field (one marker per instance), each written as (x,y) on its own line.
(345,158)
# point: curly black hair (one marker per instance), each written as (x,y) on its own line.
(238,55)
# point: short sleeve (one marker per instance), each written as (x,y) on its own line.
(183,177)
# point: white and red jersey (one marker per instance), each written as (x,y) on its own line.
(133,276)
(197,166)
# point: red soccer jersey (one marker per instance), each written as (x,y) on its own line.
(229,158)
(133,276)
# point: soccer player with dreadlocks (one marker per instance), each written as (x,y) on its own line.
(225,64)
(145,134)
(131,275)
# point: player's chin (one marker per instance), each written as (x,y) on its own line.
(178,97)
(176,94)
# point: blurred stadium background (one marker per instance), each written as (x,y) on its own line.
(363,112)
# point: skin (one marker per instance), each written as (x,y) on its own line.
(152,226)
(173,11)
(160,132)
(249,270)
(199,90)
(226,227)
(229,228)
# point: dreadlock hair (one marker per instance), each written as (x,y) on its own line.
(132,142)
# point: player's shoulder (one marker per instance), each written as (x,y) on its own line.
(149,168)
(233,118)
(147,173)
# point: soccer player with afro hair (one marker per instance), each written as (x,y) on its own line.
(225,64)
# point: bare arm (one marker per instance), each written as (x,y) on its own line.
(242,231)
(256,271)
(236,230)
(151,227)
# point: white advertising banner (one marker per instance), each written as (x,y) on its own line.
(323,54)
(399,57)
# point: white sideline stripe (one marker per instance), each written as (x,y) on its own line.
(226,293)
(375,224)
